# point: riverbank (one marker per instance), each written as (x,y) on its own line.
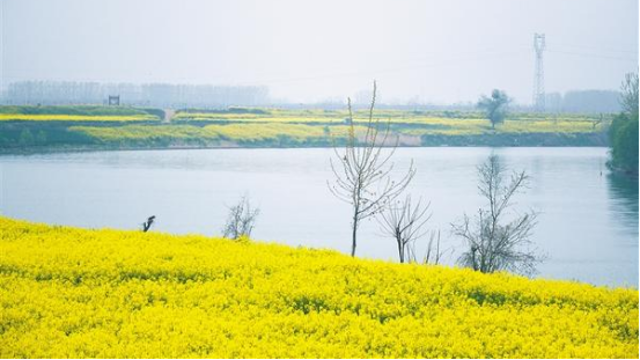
(285,142)
(69,292)
(587,140)
(52,129)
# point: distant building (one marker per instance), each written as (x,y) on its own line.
(114,100)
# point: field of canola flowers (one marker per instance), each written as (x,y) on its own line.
(46,128)
(76,118)
(69,292)
(75,113)
(415,123)
(300,127)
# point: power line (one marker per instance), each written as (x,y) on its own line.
(593,55)
(435,62)
(598,49)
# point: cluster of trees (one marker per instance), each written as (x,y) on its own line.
(160,95)
(583,101)
(362,171)
(623,132)
(496,105)
(494,240)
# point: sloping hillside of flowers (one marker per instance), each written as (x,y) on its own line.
(68,292)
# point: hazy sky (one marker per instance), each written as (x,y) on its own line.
(431,51)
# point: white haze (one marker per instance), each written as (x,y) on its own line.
(427,51)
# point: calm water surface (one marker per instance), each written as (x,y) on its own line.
(588,225)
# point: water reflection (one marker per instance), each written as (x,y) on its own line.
(623,192)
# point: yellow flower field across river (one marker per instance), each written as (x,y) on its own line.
(68,292)
(78,118)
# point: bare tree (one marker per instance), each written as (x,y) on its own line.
(241,220)
(433,255)
(363,170)
(493,243)
(629,96)
(403,222)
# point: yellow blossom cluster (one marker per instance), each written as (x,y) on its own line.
(69,292)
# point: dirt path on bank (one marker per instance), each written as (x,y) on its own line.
(168,115)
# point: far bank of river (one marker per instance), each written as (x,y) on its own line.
(283,142)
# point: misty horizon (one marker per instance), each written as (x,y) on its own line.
(420,52)
(209,96)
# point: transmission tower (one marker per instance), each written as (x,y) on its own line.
(538,77)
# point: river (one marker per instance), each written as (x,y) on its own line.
(587,227)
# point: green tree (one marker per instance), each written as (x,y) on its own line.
(495,107)
(623,132)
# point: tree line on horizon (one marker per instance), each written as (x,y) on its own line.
(217,96)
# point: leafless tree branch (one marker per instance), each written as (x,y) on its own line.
(403,222)
(493,245)
(241,220)
(362,170)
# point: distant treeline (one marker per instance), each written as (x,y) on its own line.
(151,95)
(222,97)
(584,101)
(89,110)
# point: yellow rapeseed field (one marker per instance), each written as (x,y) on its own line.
(68,292)
(144,132)
(74,118)
(409,123)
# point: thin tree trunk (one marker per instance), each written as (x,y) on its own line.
(353,236)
